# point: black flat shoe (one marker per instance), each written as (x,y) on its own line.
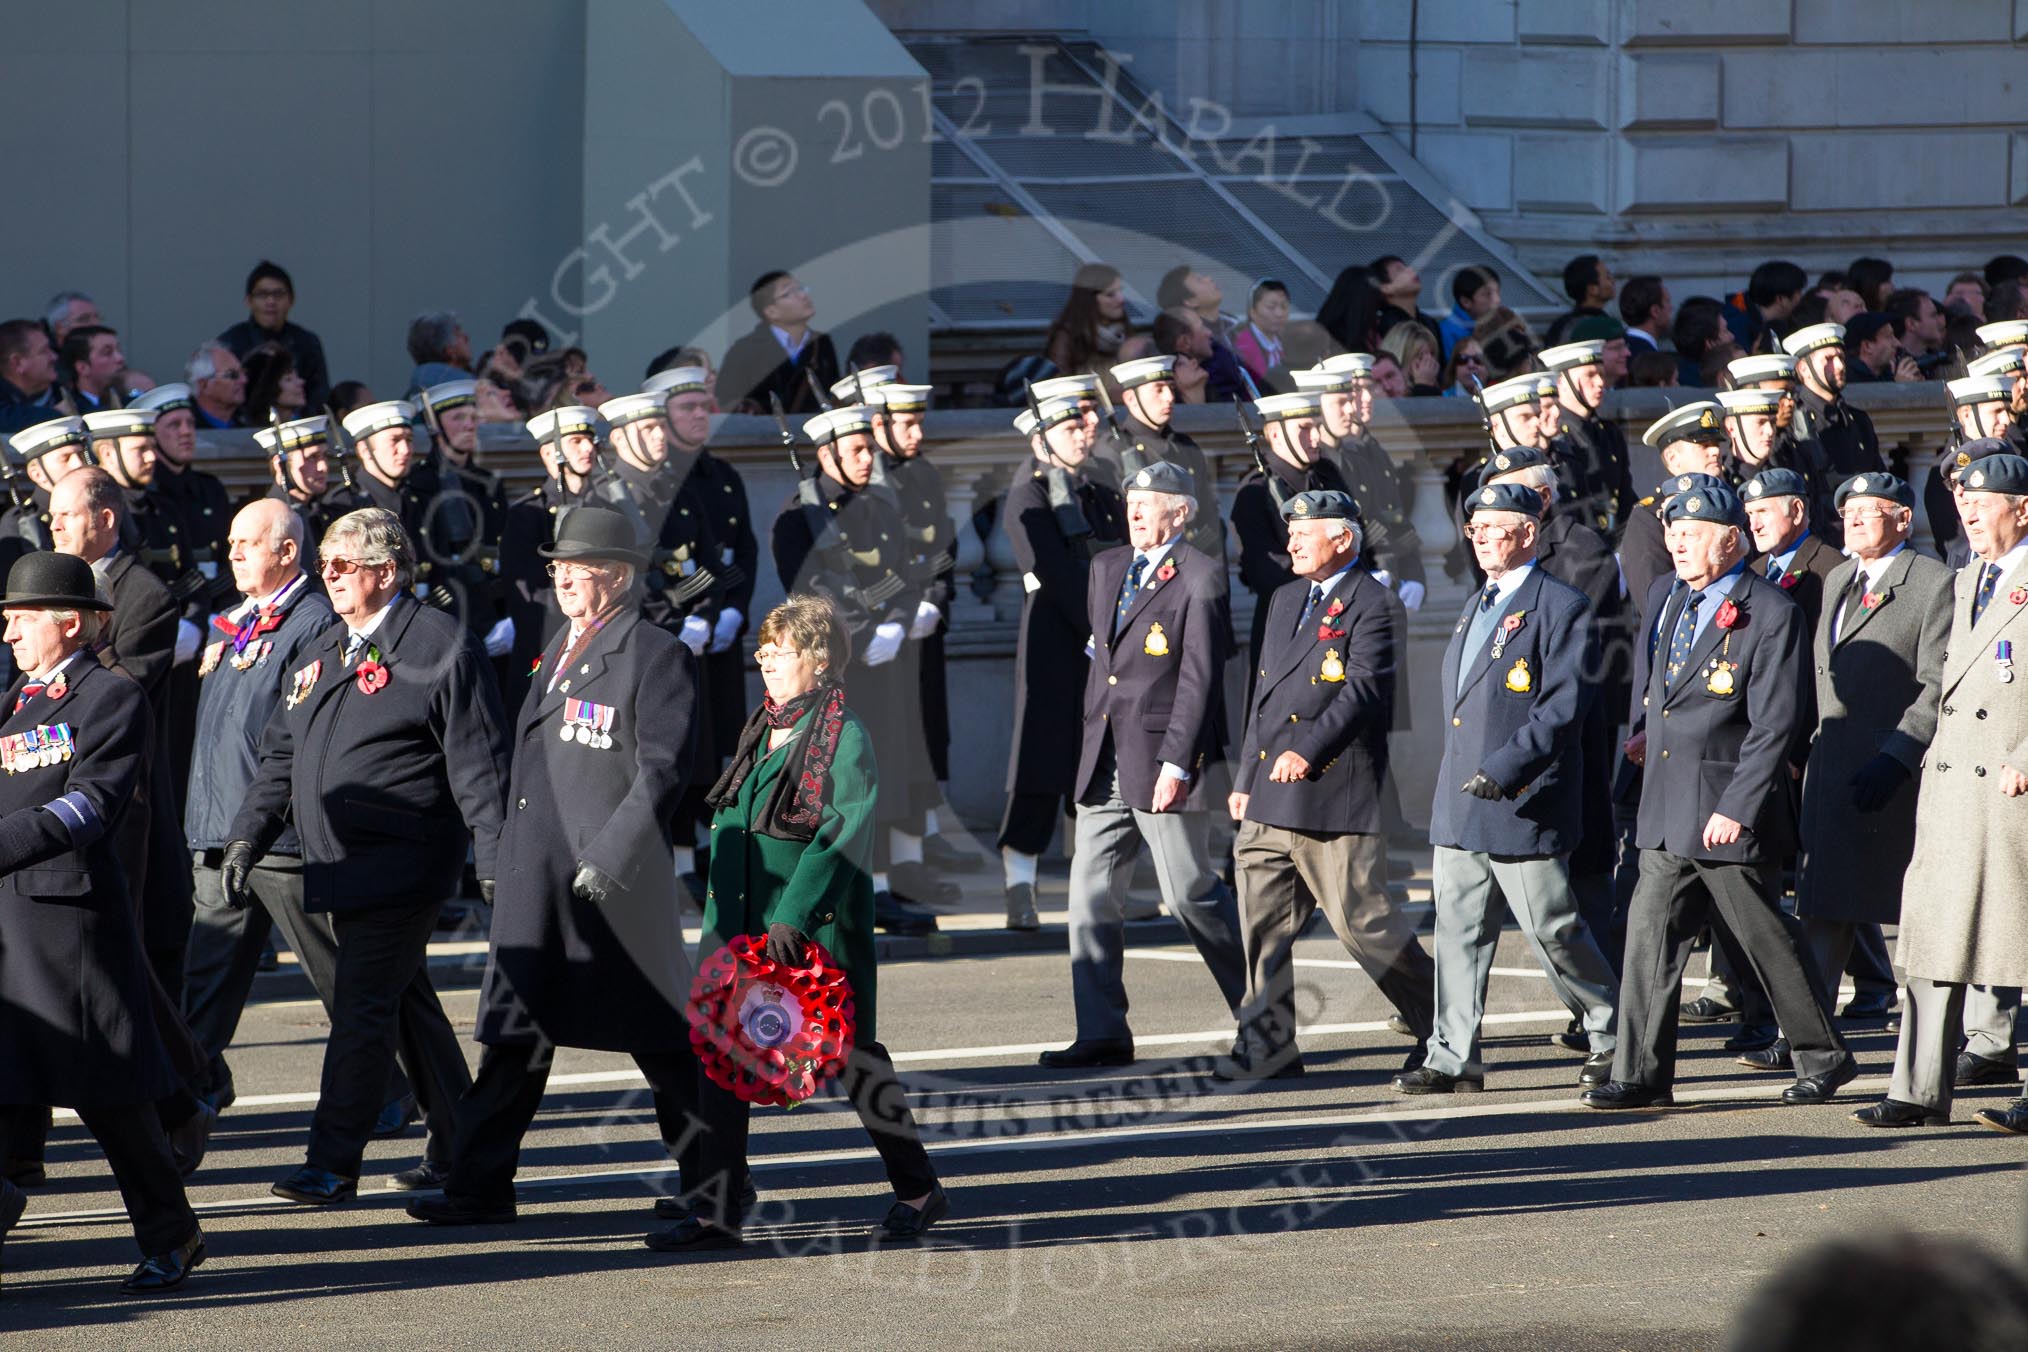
(396,1118)
(1617,1095)
(1776,1056)
(691,1235)
(1598,1070)
(895,916)
(1572,1039)
(1753,1037)
(906,1224)
(1085,1053)
(1399,1026)
(316,1187)
(460,1211)
(1894,1113)
(1974,1069)
(675,1208)
(1704,1009)
(2013,1118)
(1820,1088)
(166,1271)
(1021,915)
(424,1177)
(1423,1080)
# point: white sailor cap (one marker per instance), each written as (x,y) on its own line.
(1742,403)
(556,424)
(1144,371)
(1570,356)
(1698,422)
(451,394)
(1062,408)
(842,421)
(865,379)
(896,397)
(1316,380)
(632,408)
(1301,404)
(1075,387)
(295,436)
(2004,361)
(1766,366)
(49,436)
(677,380)
(367,419)
(107,423)
(1811,337)
(1505,394)
(164,398)
(2003,333)
(1972,390)
(1360,364)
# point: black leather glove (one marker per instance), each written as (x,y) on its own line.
(593,885)
(233,870)
(1483,785)
(785,945)
(1877,781)
(486,889)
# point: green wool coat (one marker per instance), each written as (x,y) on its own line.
(823,888)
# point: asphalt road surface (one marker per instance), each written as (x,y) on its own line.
(1151,1207)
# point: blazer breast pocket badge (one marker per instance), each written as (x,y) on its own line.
(1158,642)
(1720,681)
(1518,678)
(1333,669)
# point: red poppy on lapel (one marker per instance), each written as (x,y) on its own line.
(1512,622)
(1871,601)
(1166,571)
(1789,580)
(371,676)
(2019,596)
(1325,633)
(1335,609)
(1729,616)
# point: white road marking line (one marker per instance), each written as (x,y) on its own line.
(1744,1092)
(1347,965)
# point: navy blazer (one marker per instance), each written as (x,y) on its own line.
(1517,720)
(1711,749)
(385,789)
(1157,689)
(1336,720)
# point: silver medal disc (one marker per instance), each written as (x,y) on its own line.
(565,732)
(583,735)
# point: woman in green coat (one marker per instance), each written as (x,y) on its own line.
(791,850)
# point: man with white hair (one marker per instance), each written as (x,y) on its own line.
(217,385)
(1154,733)
(69,310)
(1307,786)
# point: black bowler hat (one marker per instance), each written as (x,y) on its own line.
(594,533)
(45,580)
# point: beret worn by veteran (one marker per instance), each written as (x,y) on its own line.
(46,580)
(1514,458)
(1505,498)
(596,533)
(1714,503)
(1164,477)
(1693,482)
(1979,449)
(1701,422)
(1874,484)
(2003,473)
(1775,483)
(1320,504)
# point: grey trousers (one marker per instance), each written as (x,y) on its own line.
(1672,901)
(1468,933)
(1926,1057)
(1284,876)
(1108,835)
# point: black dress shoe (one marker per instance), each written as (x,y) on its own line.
(316,1187)
(906,1224)
(896,916)
(675,1208)
(192,1137)
(1399,1026)
(1752,1037)
(1894,1113)
(1619,1094)
(691,1235)
(1111,1051)
(1598,1070)
(1873,1008)
(1821,1088)
(1245,1064)
(460,1211)
(425,1177)
(1021,914)
(395,1118)
(1572,1039)
(24,1173)
(166,1271)
(1974,1069)
(2013,1118)
(1704,1009)
(1774,1056)
(945,857)
(1423,1080)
